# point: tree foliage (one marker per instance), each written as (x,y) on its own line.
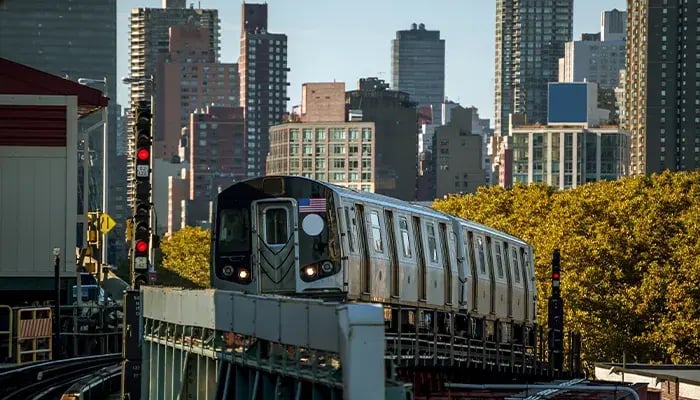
(185,258)
(630,259)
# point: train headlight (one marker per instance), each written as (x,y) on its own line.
(327,266)
(243,274)
(227,270)
(310,271)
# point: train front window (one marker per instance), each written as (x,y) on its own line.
(276,229)
(234,230)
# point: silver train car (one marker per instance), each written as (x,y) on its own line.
(294,236)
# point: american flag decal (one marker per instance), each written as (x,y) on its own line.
(307,205)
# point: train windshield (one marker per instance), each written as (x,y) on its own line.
(234,230)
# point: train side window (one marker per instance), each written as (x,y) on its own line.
(482,258)
(234,230)
(348,228)
(499,259)
(276,229)
(405,242)
(432,242)
(376,232)
(514,261)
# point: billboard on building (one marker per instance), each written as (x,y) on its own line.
(567,103)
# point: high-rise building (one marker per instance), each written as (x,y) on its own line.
(322,144)
(149,38)
(598,59)
(418,65)
(149,45)
(458,155)
(573,148)
(191,80)
(396,136)
(262,67)
(530,37)
(613,25)
(216,157)
(72,39)
(662,85)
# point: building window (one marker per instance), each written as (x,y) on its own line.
(337,134)
(338,163)
(307,135)
(366,134)
(320,134)
(338,149)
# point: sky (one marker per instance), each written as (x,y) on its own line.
(345,40)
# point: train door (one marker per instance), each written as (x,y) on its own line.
(470,249)
(519,293)
(500,280)
(527,284)
(393,256)
(492,277)
(484,275)
(447,263)
(365,266)
(418,238)
(276,247)
(509,276)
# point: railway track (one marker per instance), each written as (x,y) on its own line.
(50,380)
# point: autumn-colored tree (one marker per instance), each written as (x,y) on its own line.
(185,258)
(630,258)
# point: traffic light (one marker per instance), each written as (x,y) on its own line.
(92,236)
(556,269)
(143,141)
(141,226)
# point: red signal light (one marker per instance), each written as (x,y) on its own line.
(141,246)
(143,154)
(555,275)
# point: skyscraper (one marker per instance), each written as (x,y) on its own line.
(662,85)
(262,67)
(191,80)
(395,136)
(530,37)
(597,58)
(418,65)
(149,43)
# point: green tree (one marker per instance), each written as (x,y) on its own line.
(630,258)
(185,258)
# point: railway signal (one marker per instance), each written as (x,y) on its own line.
(141,227)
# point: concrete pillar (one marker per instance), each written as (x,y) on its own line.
(362,351)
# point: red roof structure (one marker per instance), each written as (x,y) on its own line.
(20,79)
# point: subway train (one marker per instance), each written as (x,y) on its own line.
(293,236)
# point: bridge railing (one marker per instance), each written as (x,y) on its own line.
(300,340)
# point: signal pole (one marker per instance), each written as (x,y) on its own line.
(140,231)
(556,319)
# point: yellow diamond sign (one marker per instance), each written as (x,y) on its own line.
(107,223)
